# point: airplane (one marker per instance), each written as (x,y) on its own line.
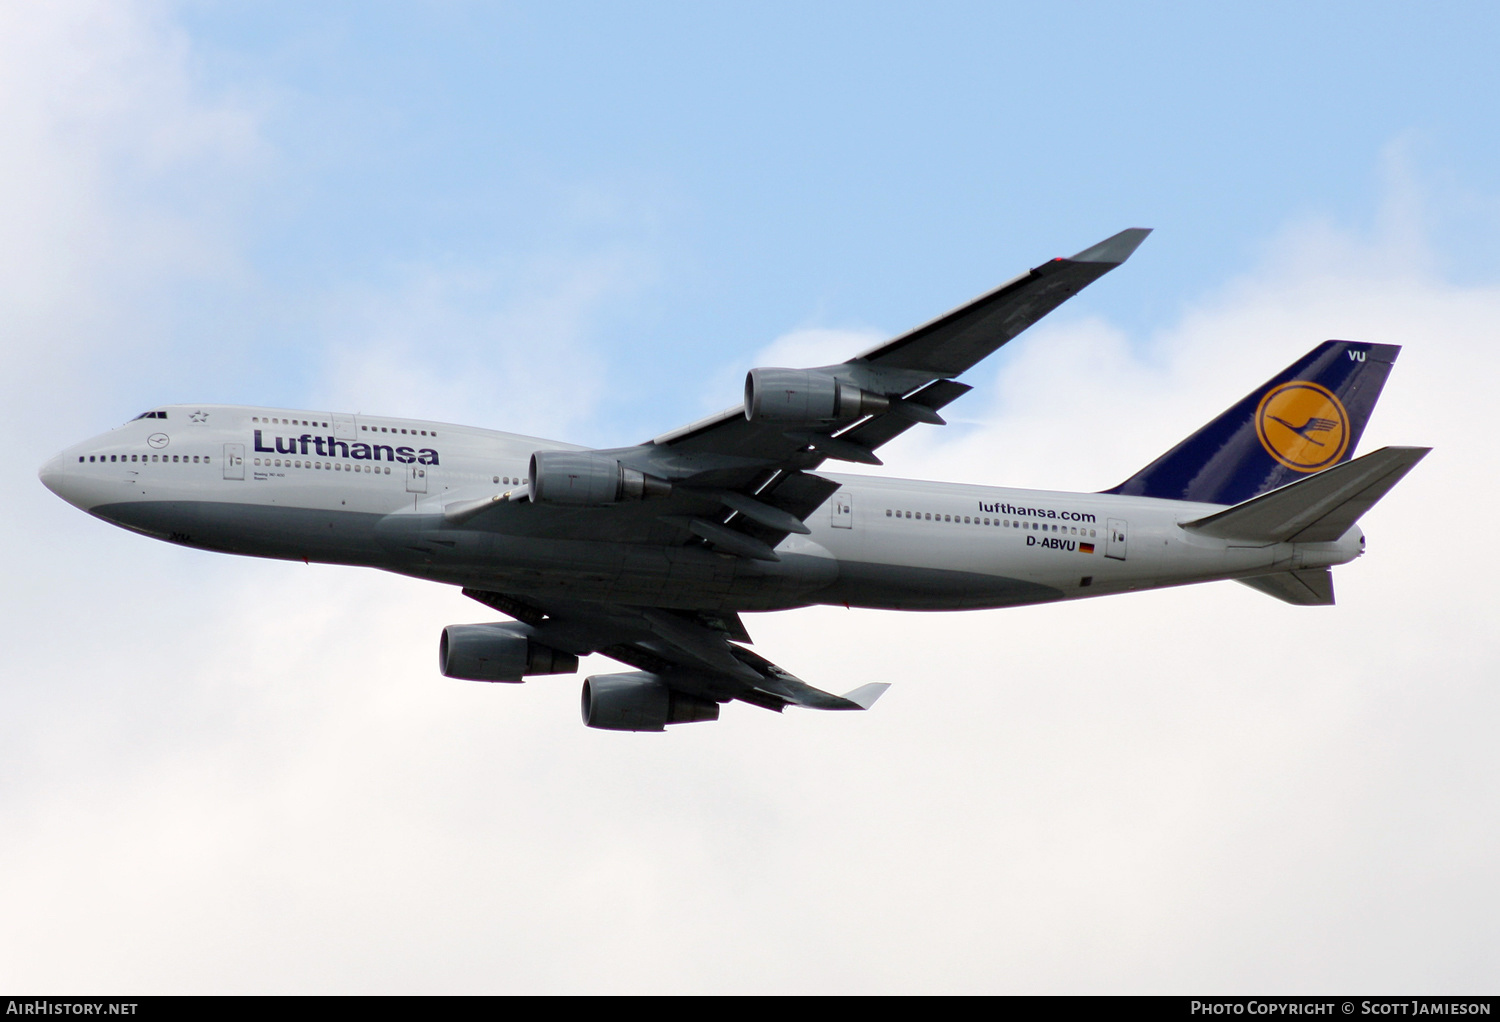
(650,554)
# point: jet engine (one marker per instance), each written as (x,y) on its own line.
(800,396)
(640,701)
(498,652)
(589,479)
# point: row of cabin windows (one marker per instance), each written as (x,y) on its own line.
(194,458)
(288,422)
(333,466)
(1004,523)
(324,425)
(508,480)
(393,429)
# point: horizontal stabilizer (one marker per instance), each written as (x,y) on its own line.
(1317,509)
(1312,587)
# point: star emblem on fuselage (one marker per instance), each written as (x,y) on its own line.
(199,416)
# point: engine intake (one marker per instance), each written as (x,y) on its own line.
(587,479)
(498,652)
(801,396)
(640,701)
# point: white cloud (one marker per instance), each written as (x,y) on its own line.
(118,177)
(506,351)
(816,346)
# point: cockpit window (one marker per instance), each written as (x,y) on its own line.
(150,415)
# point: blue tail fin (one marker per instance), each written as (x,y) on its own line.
(1306,418)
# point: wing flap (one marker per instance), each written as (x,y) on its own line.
(882,429)
(799,494)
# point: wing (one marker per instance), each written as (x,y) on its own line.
(741,481)
(946,347)
(694,654)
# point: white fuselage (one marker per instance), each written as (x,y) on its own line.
(372,490)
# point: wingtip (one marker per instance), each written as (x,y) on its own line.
(1403,453)
(1115,249)
(864,697)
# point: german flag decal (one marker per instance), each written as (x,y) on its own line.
(1086,548)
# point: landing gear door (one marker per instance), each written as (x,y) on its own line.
(1114,544)
(843,510)
(234,461)
(416,478)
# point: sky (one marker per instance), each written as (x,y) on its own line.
(586,221)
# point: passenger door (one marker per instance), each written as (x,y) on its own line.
(234,461)
(1114,544)
(843,510)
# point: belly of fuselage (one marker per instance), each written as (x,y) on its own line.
(687,577)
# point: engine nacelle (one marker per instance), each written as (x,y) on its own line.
(798,396)
(588,479)
(498,652)
(640,701)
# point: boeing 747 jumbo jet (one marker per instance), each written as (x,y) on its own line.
(650,554)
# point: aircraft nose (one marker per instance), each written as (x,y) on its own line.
(51,474)
(60,476)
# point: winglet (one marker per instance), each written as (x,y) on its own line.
(1116,249)
(864,697)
